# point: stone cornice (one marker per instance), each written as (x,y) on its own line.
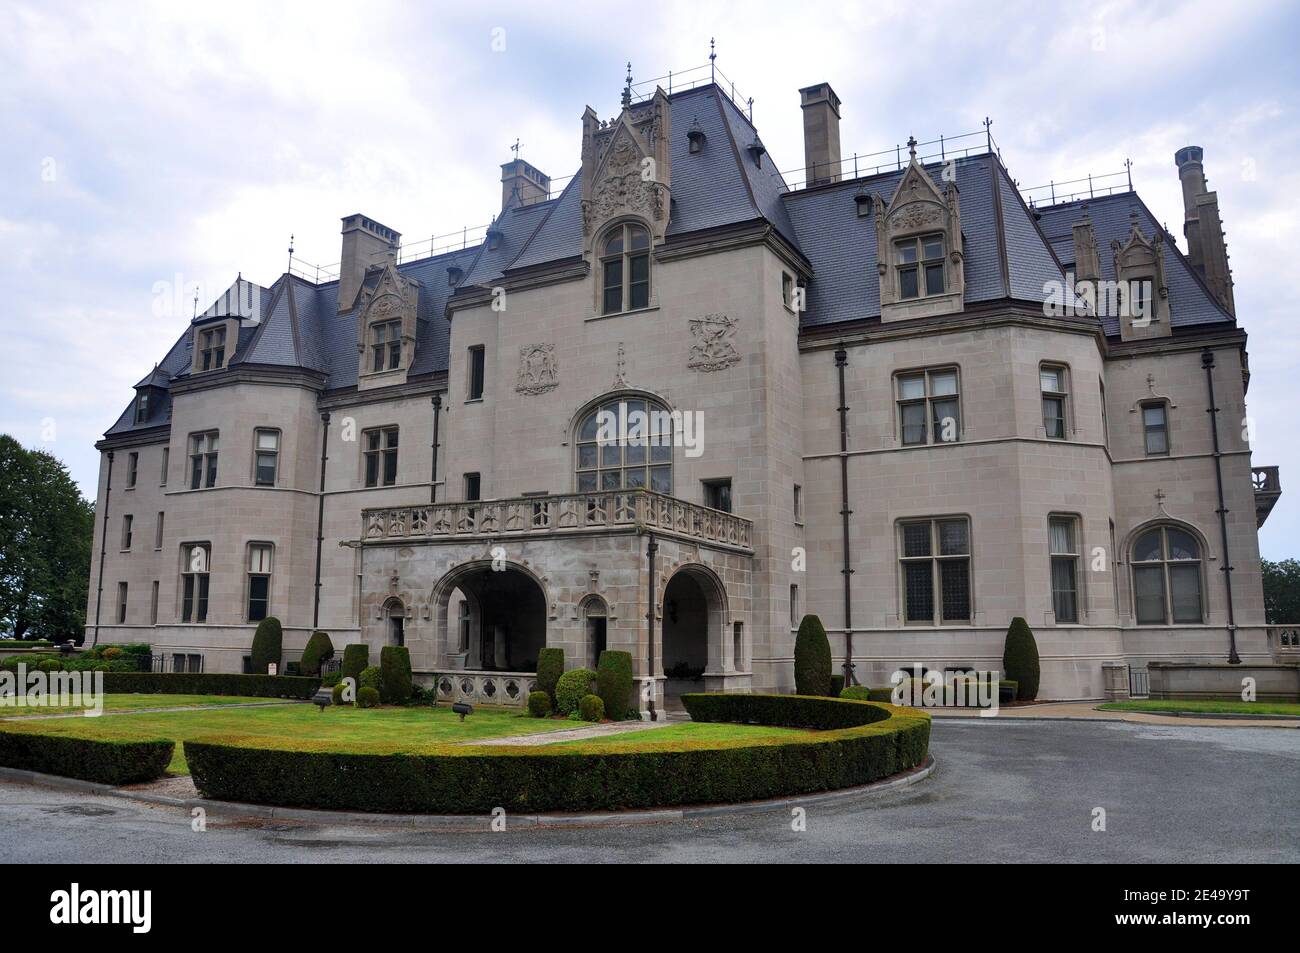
(144,437)
(251,374)
(424,384)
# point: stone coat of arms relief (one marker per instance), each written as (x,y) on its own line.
(537,369)
(712,347)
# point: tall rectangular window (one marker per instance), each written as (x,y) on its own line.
(132,469)
(166,458)
(142,406)
(212,349)
(1052,383)
(717,494)
(153,603)
(158,532)
(794,606)
(798,503)
(121,603)
(380,452)
(935,565)
(259,581)
(473,486)
(194,583)
(929,406)
(1064,547)
(475,372)
(203,459)
(127,520)
(266,456)
(1155,429)
(386,346)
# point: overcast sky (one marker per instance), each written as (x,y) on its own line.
(148,147)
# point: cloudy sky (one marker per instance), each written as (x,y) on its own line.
(149,147)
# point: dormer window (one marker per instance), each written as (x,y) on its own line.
(625,269)
(386,346)
(212,349)
(920,267)
(142,406)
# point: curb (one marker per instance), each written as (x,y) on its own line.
(470,822)
(1278,721)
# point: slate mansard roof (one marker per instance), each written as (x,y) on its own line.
(1012,253)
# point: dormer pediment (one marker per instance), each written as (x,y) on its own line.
(1140,296)
(386,323)
(917,204)
(626,167)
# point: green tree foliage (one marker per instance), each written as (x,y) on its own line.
(1020,659)
(318,648)
(45,546)
(1281,591)
(395,682)
(614,682)
(356,659)
(812,658)
(550,666)
(268,643)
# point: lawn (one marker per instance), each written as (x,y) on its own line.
(132,702)
(384,730)
(693,731)
(1209,707)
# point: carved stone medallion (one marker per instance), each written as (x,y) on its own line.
(712,348)
(537,370)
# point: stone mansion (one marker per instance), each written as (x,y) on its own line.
(917,406)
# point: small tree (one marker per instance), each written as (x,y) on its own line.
(614,682)
(1281,591)
(356,659)
(812,658)
(267,645)
(1020,659)
(570,688)
(318,649)
(550,666)
(395,682)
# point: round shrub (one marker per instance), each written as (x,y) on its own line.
(372,677)
(318,649)
(356,659)
(570,689)
(812,658)
(267,645)
(858,693)
(112,652)
(614,682)
(395,668)
(1020,659)
(550,666)
(539,704)
(591,708)
(50,665)
(368,698)
(336,694)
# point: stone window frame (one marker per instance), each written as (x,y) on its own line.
(204,445)
(166,459)
(158,532)
(123,591)
(267,573)
(384,345)
(1063,394)
(381,451)
(258,451)
(1075,522)
(128,530)
(472,352)
(142,405)
(935,560)
(625,227)
(588,412)
(200,597)
(920,265)
(153,602)
(1164,562)
(928,401)
(132,469)
(794,607)
(210,340)
(1164,406)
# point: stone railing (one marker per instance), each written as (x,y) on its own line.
(1268,488)
(485,688)
(606,510)
(1284,640)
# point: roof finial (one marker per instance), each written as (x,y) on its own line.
(291,252)
(196,303)
(515,147)
(627,90)
(911,146)
(713,55)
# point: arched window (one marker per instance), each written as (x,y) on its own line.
(625,269)
(1167,577)
(626,443)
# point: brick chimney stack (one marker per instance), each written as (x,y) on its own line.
(821,133)
(1203,228)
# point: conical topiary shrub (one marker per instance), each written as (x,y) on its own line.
(812,658)
(395,683)
(267,645)
(550,666)
(318,649)
(356,659)
(1020,659)
(614,682)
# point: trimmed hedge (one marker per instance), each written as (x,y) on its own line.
(591,708)
(614,682)
(395,674)
(550,666)
(1020,659)
(812,658)
(25,643)
(367,697)
(865,742)
(268,645)
(356,659)
(570,689)
(318,649)
(539,704)
(210,683)
(106,762)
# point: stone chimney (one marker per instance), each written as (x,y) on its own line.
(365,243)
(522,184)
(1203,228)
(821,133)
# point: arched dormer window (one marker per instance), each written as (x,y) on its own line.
(625,443)
(625,268)
(1167,580)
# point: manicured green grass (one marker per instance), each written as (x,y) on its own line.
(382,730)
(692,731)
(132,702)
(1207,707)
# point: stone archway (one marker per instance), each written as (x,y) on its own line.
(694,610)
(503,617)
(394,615)
(595,626)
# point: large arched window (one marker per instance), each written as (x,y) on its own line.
(625,269)
(1167,577)
(626,443)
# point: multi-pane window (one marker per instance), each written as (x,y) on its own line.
(1052,384)
(386,346)
(1167,577)
(625,269)
(266,455)
(127,520)
(212,348)
(194,583)
(259,581)
(1155,429)
(158,532)
(717,495)
(121,603)
(929,406)
(203,459)
(626,444)
(380,456)
(132,469)
(935,564)
(475,373)
(920,266)
(142,406)
(1063,542)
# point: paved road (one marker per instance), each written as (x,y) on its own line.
(1003,792)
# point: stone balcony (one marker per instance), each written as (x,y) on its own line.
(605,511)
(1268,488)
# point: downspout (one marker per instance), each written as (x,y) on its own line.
(651,551)
(103,545)
(433,476)
(320,514)
(841,362)
(1207,362)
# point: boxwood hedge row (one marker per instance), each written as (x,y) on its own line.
(108,762)
(211,683)
(862,742)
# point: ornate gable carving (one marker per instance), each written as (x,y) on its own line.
(627,167)
(712,347)
(537,369)
(1139,260)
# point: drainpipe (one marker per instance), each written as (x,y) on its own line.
(320,514)
(433,477)
(103,545)
(1207,362)
(651,551)
(841,362)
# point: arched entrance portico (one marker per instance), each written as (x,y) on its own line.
(694,611)
(500,624)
